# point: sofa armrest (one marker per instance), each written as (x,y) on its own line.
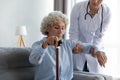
(79,75)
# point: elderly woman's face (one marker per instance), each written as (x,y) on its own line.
(96,3)
(57,30)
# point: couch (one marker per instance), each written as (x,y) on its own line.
(14,65)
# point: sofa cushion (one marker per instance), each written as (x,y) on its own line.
(15,65)
(14,57)
(17,74)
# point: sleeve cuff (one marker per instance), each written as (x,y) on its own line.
(96,49)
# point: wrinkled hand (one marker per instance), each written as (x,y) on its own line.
(52,40)
(78,48)
(102,59)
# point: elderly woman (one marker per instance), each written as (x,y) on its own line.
(43,54)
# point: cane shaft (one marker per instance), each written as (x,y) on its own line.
(57,63)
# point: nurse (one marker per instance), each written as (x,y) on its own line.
(88,22)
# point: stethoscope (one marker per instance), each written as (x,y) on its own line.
(87,13)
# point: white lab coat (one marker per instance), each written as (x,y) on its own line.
(87,31)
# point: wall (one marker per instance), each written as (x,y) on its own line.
(14,13)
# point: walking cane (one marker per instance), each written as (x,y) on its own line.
(57,59)
(57,63)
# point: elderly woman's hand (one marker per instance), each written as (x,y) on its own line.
(52,40)
(78,49)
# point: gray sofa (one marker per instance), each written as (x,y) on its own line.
(14,65)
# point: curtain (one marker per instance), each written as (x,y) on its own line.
(60,5)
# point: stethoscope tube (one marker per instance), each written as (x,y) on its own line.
(87,13)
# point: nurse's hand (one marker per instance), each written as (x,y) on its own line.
(102,59)
(78,49)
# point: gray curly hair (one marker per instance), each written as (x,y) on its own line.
(52,19)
